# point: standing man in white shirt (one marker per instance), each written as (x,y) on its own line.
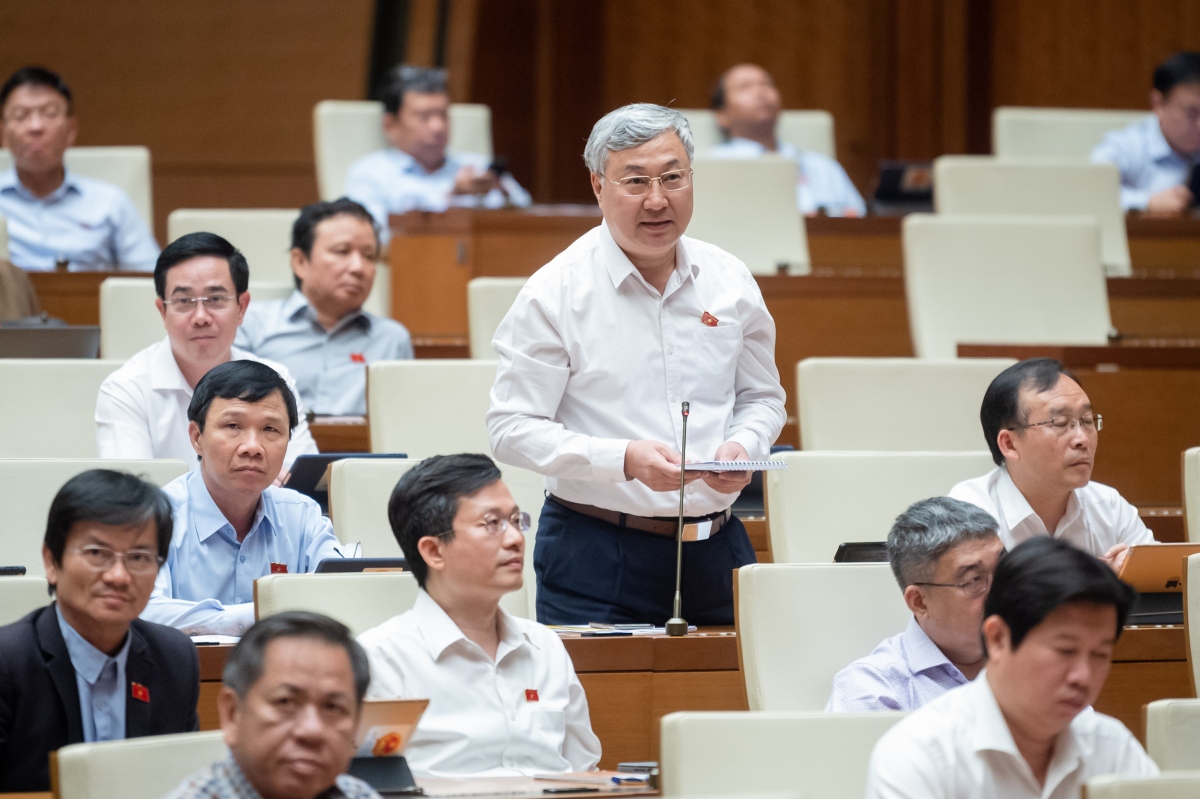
(597,355)
(1042,431)
(747,106)
(141,411)
(503,695)
(1025,727)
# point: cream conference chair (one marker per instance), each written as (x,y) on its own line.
(28,486)
(818,503)
(1191,493)
(818,754)
(983,185)
(359,601)
(1168,785)
(53,415)
(808,130)
(20,595)
(346,130)
(1066,133)
(137,768)
(126,167)
(1173,733)
(893,404)
(783,608)
(488,300)
(748,208)
(1003,280)
(429,406)
(1191,617)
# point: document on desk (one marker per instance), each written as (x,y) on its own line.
(734,466)
(212,640)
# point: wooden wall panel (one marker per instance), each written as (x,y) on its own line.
(222,92)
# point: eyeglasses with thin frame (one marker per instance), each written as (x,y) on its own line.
(495,525)
(49,112)
(185,306)
(638,185)
(1090,422)
(977,585)
(101,559)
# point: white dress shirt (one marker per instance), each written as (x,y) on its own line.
(1148,164)
(592,357)
(959,745)
(141,411)
(821,183)
(523,713)
(1097,518)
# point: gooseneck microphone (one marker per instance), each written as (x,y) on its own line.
(676,626)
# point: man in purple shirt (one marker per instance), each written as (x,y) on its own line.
(943,552)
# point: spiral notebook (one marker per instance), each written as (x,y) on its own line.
(734,466)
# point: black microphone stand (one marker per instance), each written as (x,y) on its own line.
(676,625)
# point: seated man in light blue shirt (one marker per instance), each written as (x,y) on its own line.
(1156,155)
(943,553)
(416,173)
(232,525)
(55,216)
(321,333)
(747,105)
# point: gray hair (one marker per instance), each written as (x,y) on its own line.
(244,666)
(629,126)
(929,529)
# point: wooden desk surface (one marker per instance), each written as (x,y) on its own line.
(1125,354)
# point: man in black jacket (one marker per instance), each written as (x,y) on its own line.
(85,668)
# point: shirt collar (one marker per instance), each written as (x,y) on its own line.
(440,631)
(10,181)
(208,518)
(165,373)
(1016,509)
(297,307)
(407,163)
(992,734)
(920,652)
(1156,143)
(620,267)
(87,660)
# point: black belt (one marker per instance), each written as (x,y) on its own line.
(692,525)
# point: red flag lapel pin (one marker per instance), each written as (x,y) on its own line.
(279,568)
(357,357)
(139,692)
(531,695)
(709,319)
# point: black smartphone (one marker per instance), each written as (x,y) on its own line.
(499,165)
(12,571)
(1193,183)
(571,790)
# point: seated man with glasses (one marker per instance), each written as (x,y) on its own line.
(85,668)
(503,695)
(943,553)
(232,525)
(142,409)
(55,216)
(1042,431)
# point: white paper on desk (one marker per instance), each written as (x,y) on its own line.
(215,639)
(734,466)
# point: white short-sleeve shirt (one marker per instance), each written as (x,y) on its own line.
(523,713)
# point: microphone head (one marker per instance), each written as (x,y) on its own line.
(685,408)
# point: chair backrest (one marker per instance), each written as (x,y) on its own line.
(429,406)
(1168,785)
(137,768)
(264,235)
(359,601)
(748,208)
(968,281)
(799,624)
(129,320)
(1067,133)
(808,130)
(931,405)
(359,490)
(488,300)
(983,185)
(20,595)
(1173,733)
(53,415)
(28,486)
(128,168)
(819,754)
(1191,493)
(346,130)
(818,503)
(1191,617)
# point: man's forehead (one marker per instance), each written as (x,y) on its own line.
(272,404)
(423,101)
(34,94)
(343,225)
(203,271)
(294,661)
(748,73)
(1063,389)
(663,151)
(86,530)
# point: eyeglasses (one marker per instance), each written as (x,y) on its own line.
(184,306)
(494,525)
(1091,423)
(977,585)
(101,559)
(637,185)
(23,114)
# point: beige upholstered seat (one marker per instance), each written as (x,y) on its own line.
(1001,280)
(359,601)
(1191,616)
(488,300)
(748,208)
(137,768)
(1169,785)
(794,639)
(1191,493)
(1066,133)
(128,168)
(819,501)
(28,486)
(20,595)
(980,185)
(53,415)
(1173,733)
(429,407)
(893,404)
(808,130)
(818,754)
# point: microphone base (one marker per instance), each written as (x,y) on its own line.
(677,627)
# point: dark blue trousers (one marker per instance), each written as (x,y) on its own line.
(589,570)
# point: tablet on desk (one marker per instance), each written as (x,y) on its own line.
(1157,568)
(384,729)
(353,565)
(861,552)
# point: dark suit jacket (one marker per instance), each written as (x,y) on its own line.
(39,699)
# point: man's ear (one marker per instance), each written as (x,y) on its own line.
(72,130)
(50,566)
(194,436)
(914,597)
(997,637)
(1157,100)
(228,708)
(162,308)
(597,185)
(430,548)
(1006,441)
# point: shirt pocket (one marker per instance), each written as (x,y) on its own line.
(717,352)
(549,729)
